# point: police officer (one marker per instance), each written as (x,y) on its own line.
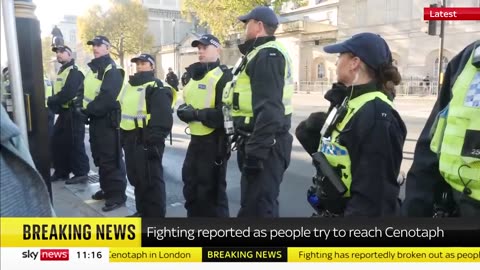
(102,84)
(172,79)
(67,143)
(261,102)
(204,169)
(185,78)
(444,179)
(146,122)
(364,146)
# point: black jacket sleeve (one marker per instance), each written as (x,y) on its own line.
(159,104)
(376,151)
(308,131)
(213,118)
(73,84)
(267,73)
(424,181)
(106,100)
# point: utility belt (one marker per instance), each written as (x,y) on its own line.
(110,120)
(241,137)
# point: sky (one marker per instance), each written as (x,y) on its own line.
(51,12)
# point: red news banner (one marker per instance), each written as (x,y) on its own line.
(452,14)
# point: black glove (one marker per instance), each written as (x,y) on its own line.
(308,131)
(187,113)
(52,104)
(252,166)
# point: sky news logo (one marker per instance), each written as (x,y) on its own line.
(47,255)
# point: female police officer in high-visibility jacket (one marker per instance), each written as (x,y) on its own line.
(146,121)
(365,144)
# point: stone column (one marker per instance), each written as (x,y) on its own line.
(30,52)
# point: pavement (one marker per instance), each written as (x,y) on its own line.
(75,200)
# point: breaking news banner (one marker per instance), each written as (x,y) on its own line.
(177,243)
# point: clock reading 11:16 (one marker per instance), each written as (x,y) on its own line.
(89,255)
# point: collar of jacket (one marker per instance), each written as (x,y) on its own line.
(198,70)
(250,44)
(337,94)
(99,64)
(65,66)
(142,77)
(361,89)
(9,129)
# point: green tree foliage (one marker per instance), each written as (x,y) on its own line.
(124,24)
(221,15)
(48,57)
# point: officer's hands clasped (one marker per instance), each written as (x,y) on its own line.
(82,113)
(187,113)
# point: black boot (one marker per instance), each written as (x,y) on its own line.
(112,205)
(99,195)
(55,178)
(82,179)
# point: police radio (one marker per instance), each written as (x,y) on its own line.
(226,109)
(335,116)
(326,194)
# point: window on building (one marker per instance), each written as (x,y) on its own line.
(391,11)
(330,16)
(73,37)
(435,66)
(320,71)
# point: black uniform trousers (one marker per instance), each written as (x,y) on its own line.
(68,147)
(51,121)
(260,191)
(107,156)
(145,173)
(204,178)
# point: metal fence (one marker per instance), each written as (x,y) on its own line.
(408,87)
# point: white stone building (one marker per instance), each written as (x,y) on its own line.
(306,30)
(401,24)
